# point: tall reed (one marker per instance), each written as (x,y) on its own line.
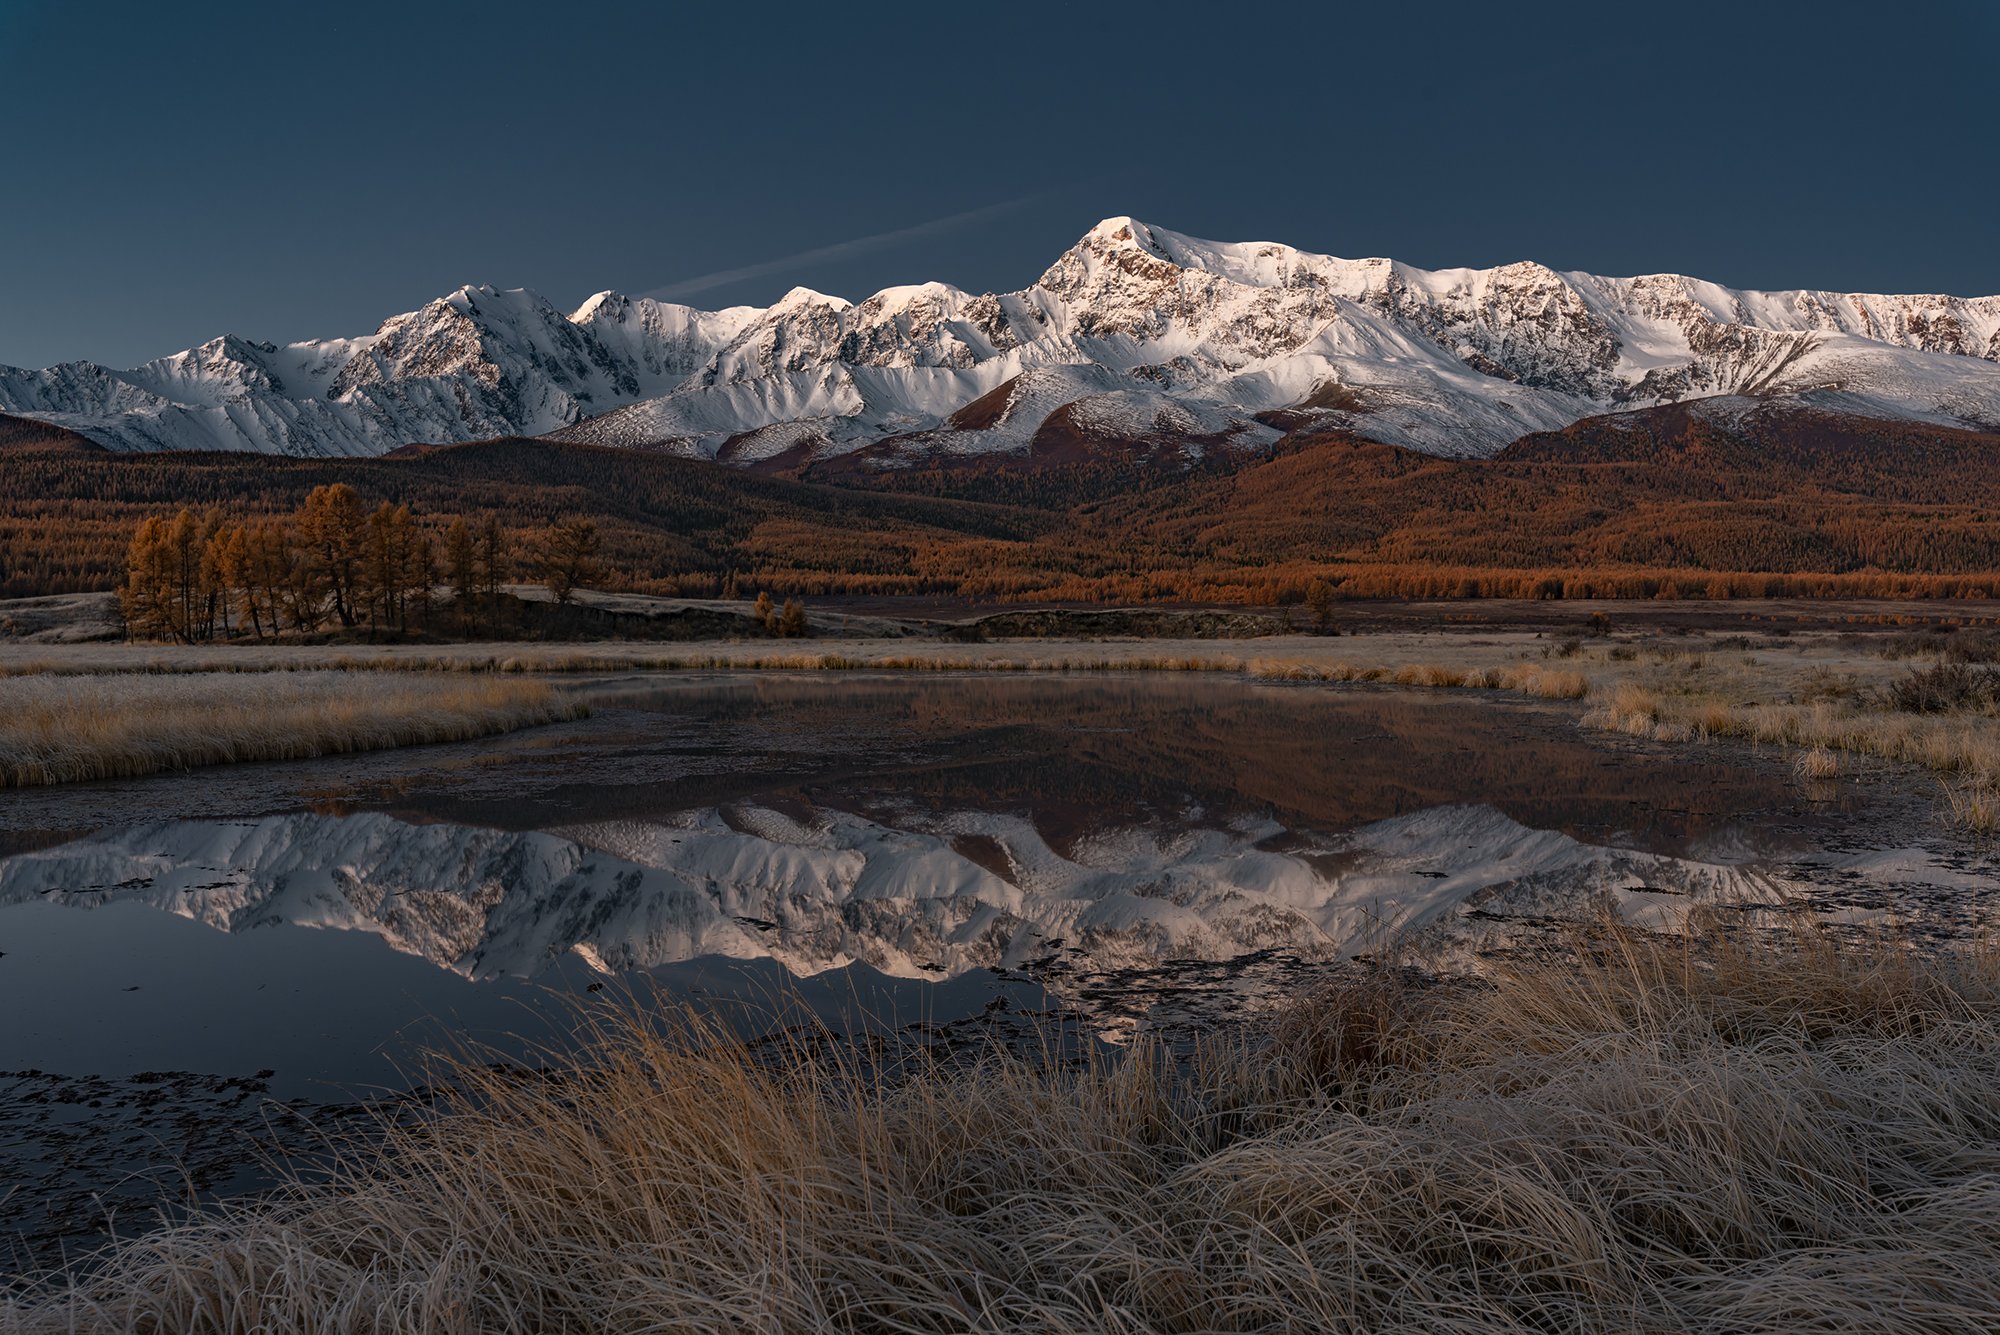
(1704,1135)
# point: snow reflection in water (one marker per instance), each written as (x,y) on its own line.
(896,828)
(881,852)
(831,888)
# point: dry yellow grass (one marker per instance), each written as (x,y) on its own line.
(1975,808)
(1965,745)
(1668,1136)
(233,659)
(1282,669)
(61,729)
(1527,678)
(1819,695)
(1055,656)
(1546,682)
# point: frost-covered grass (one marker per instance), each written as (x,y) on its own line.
(1058,656)
(1527,678)
(1817,693)
(1699,1135)
(1391,659)
(70,727)
(1821,716)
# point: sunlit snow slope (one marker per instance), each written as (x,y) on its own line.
(1136,334)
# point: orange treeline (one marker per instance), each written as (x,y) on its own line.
(1293,584)
(332,563)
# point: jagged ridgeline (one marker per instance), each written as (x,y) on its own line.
(1137,338)
(1157,417)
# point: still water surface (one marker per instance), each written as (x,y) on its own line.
(867,819)
(881,850)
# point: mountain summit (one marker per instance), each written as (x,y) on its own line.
(1135,334)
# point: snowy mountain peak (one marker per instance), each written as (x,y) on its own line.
(1123,233)
(1136,332)
(804,296)
(1123,227)
(607,305)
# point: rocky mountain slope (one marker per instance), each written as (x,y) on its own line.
(1135,336)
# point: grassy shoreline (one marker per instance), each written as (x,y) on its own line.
(1713,1133)
(72,728)
(1820,696)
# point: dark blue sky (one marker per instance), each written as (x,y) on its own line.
(287,171)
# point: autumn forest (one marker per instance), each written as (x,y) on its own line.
(1666,506)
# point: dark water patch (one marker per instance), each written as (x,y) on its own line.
(150,1063)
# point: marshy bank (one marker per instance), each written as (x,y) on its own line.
(1168,856)
(1881,692)
(65,728)
(1723,1132)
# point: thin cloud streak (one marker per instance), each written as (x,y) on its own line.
(839,250)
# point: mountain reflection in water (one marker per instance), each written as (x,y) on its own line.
(930,826)
(823,889)
(886,854)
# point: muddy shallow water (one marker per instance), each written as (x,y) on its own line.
(192,962)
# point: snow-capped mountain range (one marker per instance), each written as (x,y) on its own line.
(1136,334)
